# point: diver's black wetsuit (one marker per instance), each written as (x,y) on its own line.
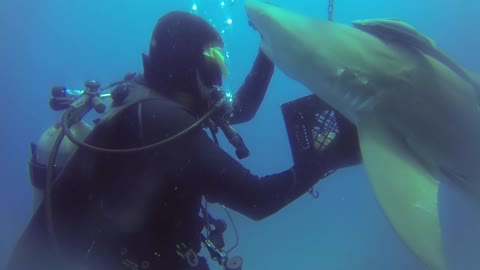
(112,209)
(250,95)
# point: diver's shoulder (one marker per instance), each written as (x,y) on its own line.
(154,107)
(133,96)
(164,108)
(162,118)
(136,90)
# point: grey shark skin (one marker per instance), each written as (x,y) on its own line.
(394,30)
(418,121)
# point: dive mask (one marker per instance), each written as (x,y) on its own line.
(216,55)
(210,76)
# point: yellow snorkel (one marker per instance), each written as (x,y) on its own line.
(216,55)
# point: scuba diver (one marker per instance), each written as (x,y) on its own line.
(122,209)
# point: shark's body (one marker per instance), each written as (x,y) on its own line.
(418,121)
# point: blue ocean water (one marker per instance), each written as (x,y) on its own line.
(46,43)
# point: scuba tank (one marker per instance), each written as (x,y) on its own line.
(61,99)
(40,153)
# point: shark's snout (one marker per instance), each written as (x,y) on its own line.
(258,15)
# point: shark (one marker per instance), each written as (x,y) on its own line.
(418,121)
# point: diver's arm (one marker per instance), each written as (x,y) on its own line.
(229,183)
(216,174)
(248,98)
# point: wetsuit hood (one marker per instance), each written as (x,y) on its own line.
(176,54)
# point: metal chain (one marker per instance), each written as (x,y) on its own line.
(330,10)
(312,191)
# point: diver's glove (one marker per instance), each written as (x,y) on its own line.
(304,174)
(310,168)
(308,172)
(328,153)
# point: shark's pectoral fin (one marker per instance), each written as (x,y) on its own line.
(405,190)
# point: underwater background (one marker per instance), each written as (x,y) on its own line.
(46,43)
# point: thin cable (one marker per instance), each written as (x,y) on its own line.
(205,213)
(234,229)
